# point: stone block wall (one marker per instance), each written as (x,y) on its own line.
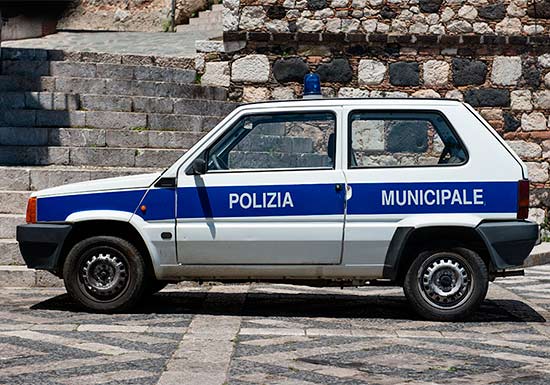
(494,55)
(391,16)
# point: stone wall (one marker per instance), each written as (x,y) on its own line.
(390,16)
(498,61)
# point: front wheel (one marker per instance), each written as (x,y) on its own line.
(105,274)
(446,285)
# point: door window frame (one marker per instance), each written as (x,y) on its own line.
(335,111)
(349,150)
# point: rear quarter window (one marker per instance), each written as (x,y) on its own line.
(402,139)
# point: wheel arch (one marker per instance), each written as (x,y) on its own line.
(97,227)
(408,242)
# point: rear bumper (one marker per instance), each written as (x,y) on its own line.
(509,243)
(41,244)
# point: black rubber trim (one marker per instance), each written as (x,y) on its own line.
(395,252)
(509,243)
(40,244)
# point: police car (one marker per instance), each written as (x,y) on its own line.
(417,193)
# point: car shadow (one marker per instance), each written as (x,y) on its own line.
(306,305)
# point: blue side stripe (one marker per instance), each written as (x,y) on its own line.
(310,199)
(307,199)
(434,198)
(57,209)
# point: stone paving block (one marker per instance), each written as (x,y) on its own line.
(65,102)
(60,118)
(176,122)
(8,223)
(23,136)
(114,71)
(157,158)
(105,103)
(39,100)
(162,74)
(14,179)
(15,276)
(127,138)
(47,279)
(33,156)
(18,118)
(73,70)
(88,156)
(173,139)
(117,87)
(13,202)
(80,85)
(9,253)
(31,68)
(46,178)
(12,100)
(115,120)
(80,137)
(22,54)
(152,104)
(203,107)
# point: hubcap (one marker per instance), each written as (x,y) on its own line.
(104,275)
(445,282)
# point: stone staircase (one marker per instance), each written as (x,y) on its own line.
(64,120)
(209,21)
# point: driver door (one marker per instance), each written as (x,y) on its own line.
(273,193)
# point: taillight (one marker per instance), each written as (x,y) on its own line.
(523,199)
(31,210)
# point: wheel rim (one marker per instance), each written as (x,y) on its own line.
(104,274)
(445,281)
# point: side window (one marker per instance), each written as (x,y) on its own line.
(405,139)
(276,141)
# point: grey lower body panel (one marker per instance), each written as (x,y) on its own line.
(509,243)
(269,272)
(41,244)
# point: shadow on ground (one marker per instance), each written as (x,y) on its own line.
(301,305)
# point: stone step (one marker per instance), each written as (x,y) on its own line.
(9,253)
(13,202)
(107,119)
(115,138)
(20,276)
(96,137)
(60,101)
(8,223)
(88,156)
(26,178)
(67,69)
(104,86)
(57,55)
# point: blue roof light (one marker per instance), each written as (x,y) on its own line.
(312,86)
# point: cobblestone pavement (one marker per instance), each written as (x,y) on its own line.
(277,334)
(132,43)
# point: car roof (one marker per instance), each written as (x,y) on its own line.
(327,102)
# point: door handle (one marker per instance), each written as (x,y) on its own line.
(338,187)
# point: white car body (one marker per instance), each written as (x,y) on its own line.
(225,238)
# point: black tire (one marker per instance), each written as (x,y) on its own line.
(433,277)
(105,274)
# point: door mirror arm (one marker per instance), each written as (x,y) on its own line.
(198,167)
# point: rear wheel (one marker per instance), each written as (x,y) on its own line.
(446,285)
(105,274)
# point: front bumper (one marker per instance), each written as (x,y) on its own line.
(41,244)
(509,243)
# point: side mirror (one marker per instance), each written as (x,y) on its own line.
(198,167)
